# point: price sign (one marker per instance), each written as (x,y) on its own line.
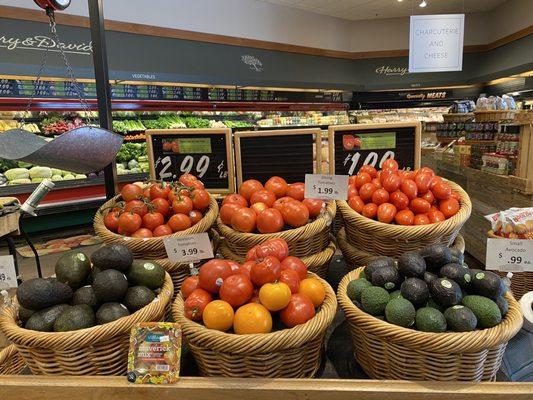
(326,187)
(352,146)
(514,255)
(8,275)
(205,153)
(189,248)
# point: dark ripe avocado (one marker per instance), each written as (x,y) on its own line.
(36,294)
(92,274)
(429,277)
(457,273)
(445,292)
(113,256)
(486,311)
(503,305)
(400,312)
(85,295)
(73,268)
(75,318)
(430,320)
(460,319)
(436,256)
(44,320)
(415,290)
(387,278)
(146,273)
(355,288)
(110,312)
(137,297)
(110,285)
(378,263)
(412,265)
(457,256)
(488,284)
(24,314)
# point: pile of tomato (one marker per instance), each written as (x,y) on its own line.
(270,208)
(158,208)
(403,197)
(270,289)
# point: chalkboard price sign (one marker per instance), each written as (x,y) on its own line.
(205,153)
(286,153)
(352,146)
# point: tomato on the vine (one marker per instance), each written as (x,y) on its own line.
(182,205)
(187,178)
(131,192)
(195,216)
(163,230)
(195,304)
(213,273)
(159,191)
(235,198)
(129,222)
(299,310)
(136,206)
(270,221)
(263,196)
(142,233)
(277,185)
(200,199)
(111,220)
(197,184)
(161,206)
(179,222)
(152,220)
(265,271)
(296,191)
(236,290)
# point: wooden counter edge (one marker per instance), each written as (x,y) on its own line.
(110,388)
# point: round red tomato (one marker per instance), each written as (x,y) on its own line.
(400,200)
(152,220)
(279,203)
(162,230)
(384,174)
(351,180)
(189,285)
(295,264)
(291,279)
(129,222)
(236,290)
(423,180)
(362,178)
(377,182)
(266,270)
(263,196)
(195,304)
(314,206)
(420,206)
(391,163)
(213,273)
(195,216)
(370,170)
(426,170)
(366,191)
(161,206)
(182,205)
(200,199)
(131,192)
(434,181)
(407,175)
(404,217)
(436,216)
(421,219)
(277,185)
(197,184)
(243,220)
(235,198)
(352,190)
(136,206)
(146,193)
(410,189)
(356,203)
(391,182)
(428,196)
(276,247)
(111,220)
(270,221)
(142,233)
(249,187)
(295,214)
(179,222)
(386,213)
(299,310)
(259,207)
(296,191)
(227,210)
(442,191)
(380,196)
(449,207)
(370,210)
(159,191)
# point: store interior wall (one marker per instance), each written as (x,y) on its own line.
(254,19)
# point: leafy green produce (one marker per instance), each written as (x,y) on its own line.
(193,122)
(7,164)
(130,151)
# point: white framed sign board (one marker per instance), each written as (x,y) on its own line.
(436,43)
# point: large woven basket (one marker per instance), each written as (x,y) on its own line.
(149,248)
(394,240)
(11,362)
(289,353)
(308,239)
(100,350)
(387,351)
(316,263)
(494,115)
(521,282)
(355,257)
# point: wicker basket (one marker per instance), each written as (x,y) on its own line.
(521,282)
(308,239)
(100,350)
(394,240)
(289,353)
(458,117)
(11,362)
(494,115)
(355,257)
(150,248)
(387,351)
(316,263)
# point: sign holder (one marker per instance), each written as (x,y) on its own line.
(398,128)
(153,134)
(314,137)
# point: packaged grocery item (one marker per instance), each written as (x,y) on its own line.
(514,223)
(155,352)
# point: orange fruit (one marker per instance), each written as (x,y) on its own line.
(313,289)
(275,296)
(218,315)
(252,318)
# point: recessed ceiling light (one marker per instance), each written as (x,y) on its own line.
(423,4)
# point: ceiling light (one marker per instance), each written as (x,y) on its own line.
(423,4)
(399,1)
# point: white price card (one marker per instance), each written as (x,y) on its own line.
(8,276)
(189,248)
(326,187)
(514,255)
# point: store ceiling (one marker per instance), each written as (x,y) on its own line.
(373,9)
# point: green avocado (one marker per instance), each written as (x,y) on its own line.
(400,312)
(503,305)
(113,256)
(460,319)
(73,268)
(36,294)
(25,314)
(85,295)
(146,273)
(44,320)
(486,311)
(355,288)
(75,318)
(374,299)
(138,297)
(110,312)
(430,320)
(110,286)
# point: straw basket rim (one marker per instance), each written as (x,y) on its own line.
(447,342)
(83,337)
(224,342)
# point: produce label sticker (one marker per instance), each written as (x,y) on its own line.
(8,276)
(189,248)
(155,353)
(194,146)
(513,255)
(326,187)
